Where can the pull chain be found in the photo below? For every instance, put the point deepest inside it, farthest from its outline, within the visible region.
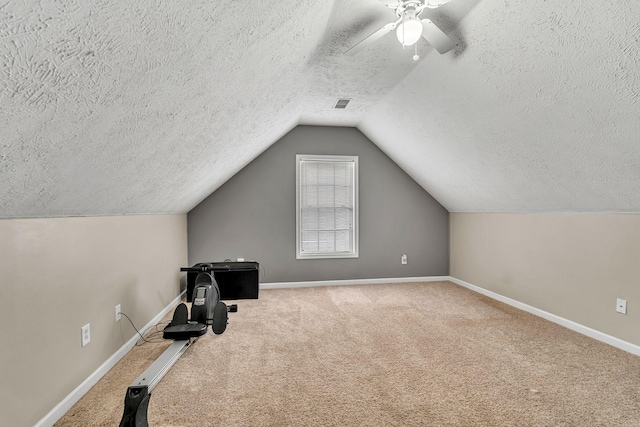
(404, 17)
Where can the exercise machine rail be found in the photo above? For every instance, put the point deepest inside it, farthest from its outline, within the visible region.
(139, 392)
(184, 333)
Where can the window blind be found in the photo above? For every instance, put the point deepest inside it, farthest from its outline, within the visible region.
(326, 206)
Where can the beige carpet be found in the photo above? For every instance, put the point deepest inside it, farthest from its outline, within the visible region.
(422, 354)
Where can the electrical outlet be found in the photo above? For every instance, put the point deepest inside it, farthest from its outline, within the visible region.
(404, 259)
(240, 259)
(86, 334)
(621, 306)
(118, 312)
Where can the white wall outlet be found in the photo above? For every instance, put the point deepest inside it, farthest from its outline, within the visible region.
(404, 259)
(118, 312)
(621, 306)
(86, 334)
(240, 259)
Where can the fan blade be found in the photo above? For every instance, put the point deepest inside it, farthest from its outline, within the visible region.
(371, 39)
(436, 37)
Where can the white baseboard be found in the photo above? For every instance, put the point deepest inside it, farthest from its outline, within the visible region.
(282, 285)
(584, 330)
(56, 413)
(577, 327)
(61, 408)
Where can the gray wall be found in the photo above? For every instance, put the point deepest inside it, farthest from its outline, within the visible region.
(252, 216)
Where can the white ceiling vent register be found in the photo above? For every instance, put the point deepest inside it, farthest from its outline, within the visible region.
(342, 103)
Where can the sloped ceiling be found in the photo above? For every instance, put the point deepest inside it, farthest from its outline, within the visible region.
(539, 111)
(127, 107)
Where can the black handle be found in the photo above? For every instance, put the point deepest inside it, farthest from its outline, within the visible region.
(196, 269)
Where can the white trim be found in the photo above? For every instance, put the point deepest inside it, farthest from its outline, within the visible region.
(63, 407)
(354, 251)
(281, 285)
(577, 327)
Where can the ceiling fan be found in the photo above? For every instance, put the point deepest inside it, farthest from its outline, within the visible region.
(409, 27)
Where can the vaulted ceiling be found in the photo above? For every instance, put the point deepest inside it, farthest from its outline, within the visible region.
(132, 106)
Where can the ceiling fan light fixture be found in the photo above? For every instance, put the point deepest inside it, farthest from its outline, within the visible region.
(409, 31)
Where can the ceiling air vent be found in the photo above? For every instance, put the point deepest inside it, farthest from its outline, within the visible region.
(342, 103)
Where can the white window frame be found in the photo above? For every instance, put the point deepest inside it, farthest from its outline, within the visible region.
(353, 253)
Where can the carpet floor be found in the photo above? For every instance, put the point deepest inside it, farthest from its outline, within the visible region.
(415, 354)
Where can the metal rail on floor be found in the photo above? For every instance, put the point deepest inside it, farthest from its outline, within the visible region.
(136, 401)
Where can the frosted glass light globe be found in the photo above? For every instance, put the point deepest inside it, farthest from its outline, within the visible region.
(409, 31)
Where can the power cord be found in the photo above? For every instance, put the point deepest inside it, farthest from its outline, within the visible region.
(152, 337)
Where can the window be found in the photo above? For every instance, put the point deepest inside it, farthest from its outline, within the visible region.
(326, 206)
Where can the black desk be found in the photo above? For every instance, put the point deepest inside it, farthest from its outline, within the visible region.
(236, 280)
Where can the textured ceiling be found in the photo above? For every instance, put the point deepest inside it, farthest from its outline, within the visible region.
(131, 106)
(540, 111)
